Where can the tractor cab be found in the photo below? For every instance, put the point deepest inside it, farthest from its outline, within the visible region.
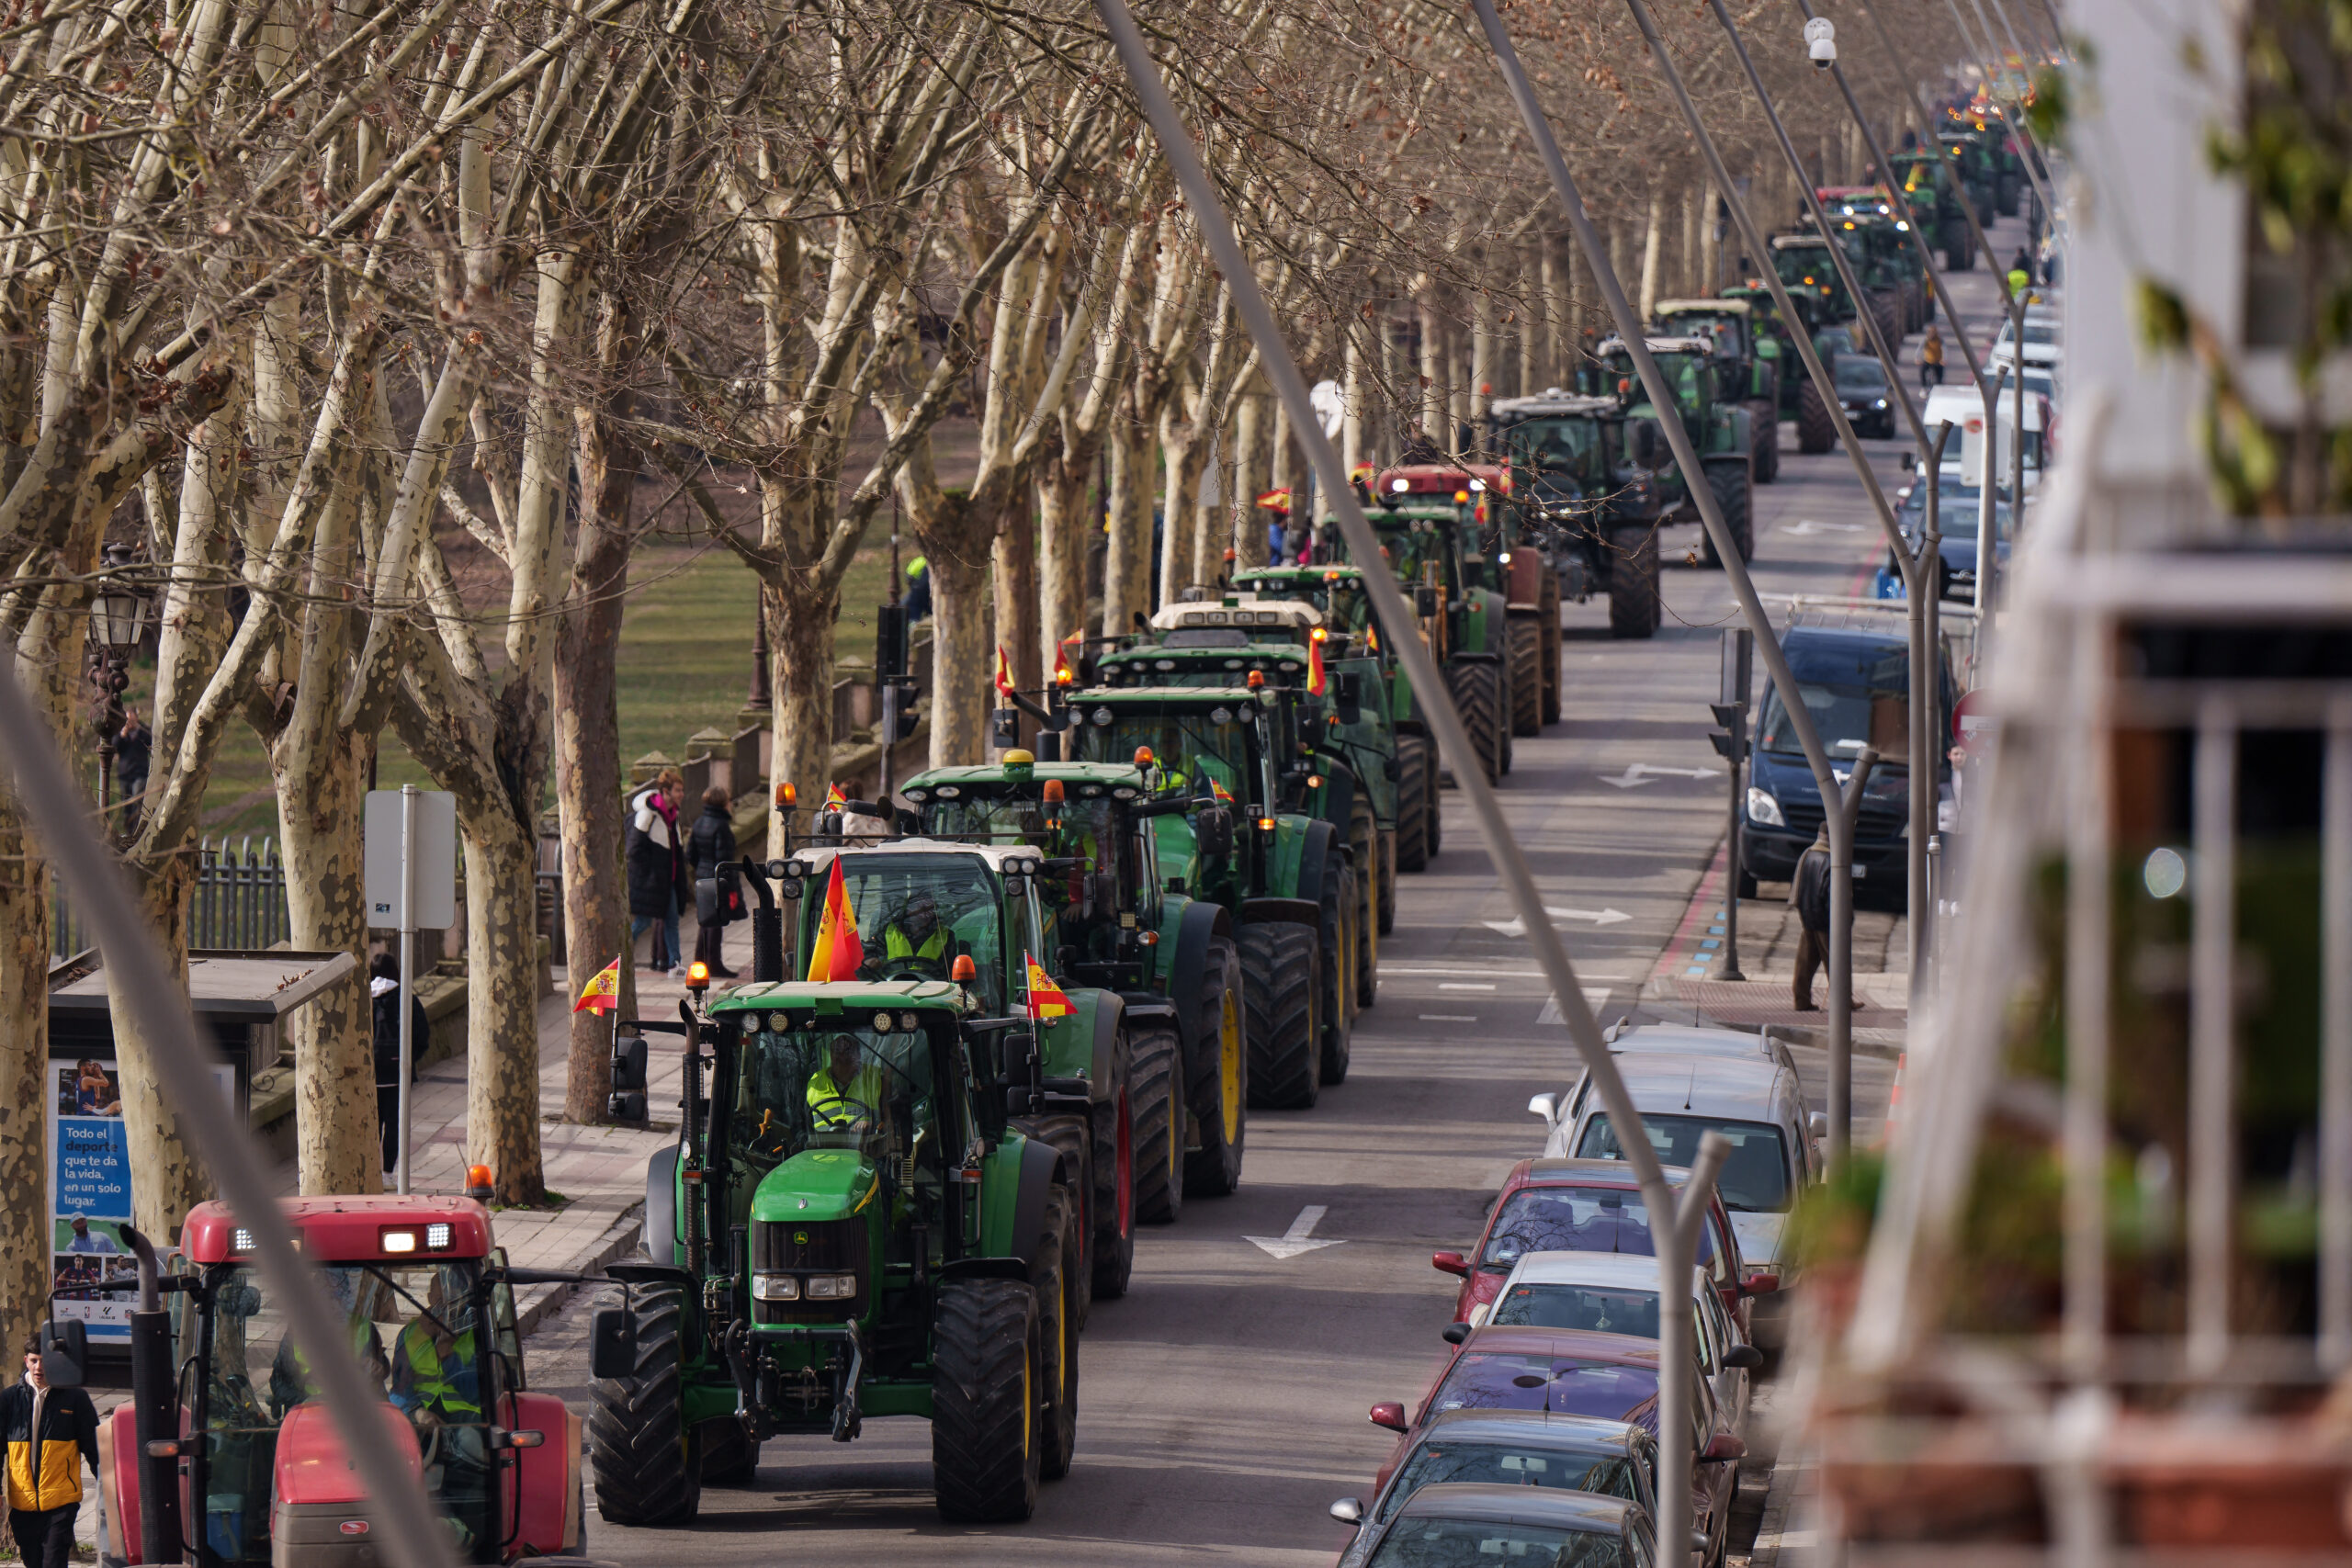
(1805, 269)
(428, 1305)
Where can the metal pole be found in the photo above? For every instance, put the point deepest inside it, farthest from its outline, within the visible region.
(2016, 457)
(1987, 486)
(184, 1062)
(1841, 966)
(1922, 775)
(1454, 741)
(408, 972)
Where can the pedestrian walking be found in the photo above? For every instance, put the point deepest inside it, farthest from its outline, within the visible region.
(1809, 895)
(918, 600)
(1932, 359)
(658, 881)
(135, 748)
(384, 997)
(43, 1427)
(718, 888)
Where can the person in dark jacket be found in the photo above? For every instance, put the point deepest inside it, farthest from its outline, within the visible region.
(710, 846)
(658, 881)
(44, 1427)
(134, 752)
(384, 993)
(1809, 893)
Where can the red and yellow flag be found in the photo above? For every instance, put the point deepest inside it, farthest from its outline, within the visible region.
(1046, 998)
(601, 994)
(1004, 672)
(1063, 674)
(1219, 791)
(834, 801)
(1275, 501)
(836, 953)
(1316, 679)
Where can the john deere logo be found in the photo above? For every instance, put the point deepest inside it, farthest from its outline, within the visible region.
(800, 1237)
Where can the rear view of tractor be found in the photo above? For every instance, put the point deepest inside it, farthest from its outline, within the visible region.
(1586, 476)
(1719, 427)
(1932, 202)
(429, 1305)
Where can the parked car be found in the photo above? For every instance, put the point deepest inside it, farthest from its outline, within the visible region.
(1472, 1527)
(1589, 1205)
(1574, 1453)
(1757, 1104)
(1615, 1294)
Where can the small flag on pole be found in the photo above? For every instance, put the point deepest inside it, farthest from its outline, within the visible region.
(1046, 998)
(601, 994)
(1315, 681)
(1275, 501)
(834, 801)
(1004, 672)
(836, 953)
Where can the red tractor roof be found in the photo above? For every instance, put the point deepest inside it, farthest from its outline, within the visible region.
(1441, 478)
(386, 1228)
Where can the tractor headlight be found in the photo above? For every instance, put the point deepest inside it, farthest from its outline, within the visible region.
(1763, 810)
(832, 1287)
(776, 1288)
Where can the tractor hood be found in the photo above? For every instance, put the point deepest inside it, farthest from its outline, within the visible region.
(814, 1185)
(310, 1466)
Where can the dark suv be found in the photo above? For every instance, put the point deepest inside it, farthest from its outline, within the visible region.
(1856, 680)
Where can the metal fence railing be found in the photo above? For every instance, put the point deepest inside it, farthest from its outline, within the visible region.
(239, 901)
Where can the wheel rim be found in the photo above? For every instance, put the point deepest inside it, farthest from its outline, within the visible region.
(1126, 1163)
(1229, 1070)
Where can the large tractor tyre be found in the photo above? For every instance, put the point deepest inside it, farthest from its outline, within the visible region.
(1734, 495)
(1072, 1132)
(1634, 604)
(1337, 969)
(730, 1456)
(1053, 1275)
(1385, 894)
(1416, 802)
(986, 1446)
(1550, 623)
(1216, 1078)
(1526, 675)
(1886, 310)
(1472, 688)
(1364, 838)
(1766, 461)
(1113, 1252)
(1282, 988)
(1815, 433)
(649, 1462)
(1156, 1092)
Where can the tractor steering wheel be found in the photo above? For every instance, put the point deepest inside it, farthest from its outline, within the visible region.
(853, 1116)
(903, 972)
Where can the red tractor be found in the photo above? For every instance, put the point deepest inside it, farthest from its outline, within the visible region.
(429, 1304)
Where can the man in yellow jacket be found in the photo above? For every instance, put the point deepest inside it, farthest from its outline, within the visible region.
(44, 1427)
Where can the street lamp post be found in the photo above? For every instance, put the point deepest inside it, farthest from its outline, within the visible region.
(118, 619)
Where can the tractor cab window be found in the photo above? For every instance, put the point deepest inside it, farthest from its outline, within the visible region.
(1205, 750)
(1560, 447)
(417, 1331)
(917, 914)
(857, 1081)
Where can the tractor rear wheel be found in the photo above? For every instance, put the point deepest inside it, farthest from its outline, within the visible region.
(1472, 688)
(1734, 494)
(1113, 1249)
(1281, 987)
(985, 1447)
(1338, 899)
(1526, 675)
(1815, 433)
(1550, 623)
(729, 1458)
(1216, 1078)
(1768, 440)
(1416, 802)
(1054, 1276)
(1154, 1084)
(649, 1462)
(1364, 840)
(1633, 600)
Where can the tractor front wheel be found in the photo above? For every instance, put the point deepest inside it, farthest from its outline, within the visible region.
(1416, 802)
(1115, 1181)
(986, 1445)
(1338, 898)
(1216, 1078)
(1386, 890)
(729, 1458)
(1526, 675)
(1054, 1276)
(649, 1461)
(1734, 496)
(1472, 688)
(1815, 433)
(1156, 1088)
(1634, 599)
(1281, 986)
(1371, 854)
(1550, 621)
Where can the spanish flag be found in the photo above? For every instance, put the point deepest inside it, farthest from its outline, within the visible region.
(601, 994)
(1275, 501)
(1315, 677)
(1004, 672)
(834, 801)
(836, 953)
(1220, 792)
(1046, 998)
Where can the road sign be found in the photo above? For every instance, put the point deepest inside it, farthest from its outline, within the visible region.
(1971, 725)
(436, 855)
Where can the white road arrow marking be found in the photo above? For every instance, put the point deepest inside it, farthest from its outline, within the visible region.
(1642, 773)
(1515, 927)
(1809, 527)
(1292, 1242)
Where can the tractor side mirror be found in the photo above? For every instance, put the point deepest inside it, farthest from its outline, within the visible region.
(1213, 827)
(1349, 698)
(1646, 433)
(612, 1343)
(628, 1102)
(1424, 601)
(65, 1351)
(1005, 728)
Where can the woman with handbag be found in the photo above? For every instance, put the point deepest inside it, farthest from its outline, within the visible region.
(718, 887)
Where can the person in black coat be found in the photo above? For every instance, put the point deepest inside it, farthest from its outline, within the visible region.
(384, 992)
(659, 884)
(710, 846)
(1809, 892)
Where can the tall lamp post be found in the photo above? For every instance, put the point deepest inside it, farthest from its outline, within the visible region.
(118, 620)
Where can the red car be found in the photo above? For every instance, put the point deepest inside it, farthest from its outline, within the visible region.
(1589, 1205)
(1579, 1372)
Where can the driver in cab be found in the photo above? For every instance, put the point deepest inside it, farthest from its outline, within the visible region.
(843, 1093)
(916, 936)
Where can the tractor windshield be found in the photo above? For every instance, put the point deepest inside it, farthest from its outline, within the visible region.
(1207, 745)
(1570, 447)
(415, 1329)
(847, 1081)
(917, 914)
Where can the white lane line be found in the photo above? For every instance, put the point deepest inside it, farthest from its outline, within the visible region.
(1294, 1241)
(1449, 1017)
(1466, 985)
(1388, 969)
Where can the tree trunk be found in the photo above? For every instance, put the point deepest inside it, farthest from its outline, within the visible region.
(800, 659)
(1484, 343)
(1180, 471)
(1560, 311)
(321, 775)
(1249, 477)
(963, 653)
(24, 886)
(1711, 260)
(1127, 571)
(502, 1010)
(1352, 432)
(1686, 262)
(1064, 510)
(1014, 574)
(1653, 229)
(166, 1180)
(1432, 418)
(1536, 315)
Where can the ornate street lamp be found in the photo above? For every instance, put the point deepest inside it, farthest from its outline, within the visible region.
(118, 620)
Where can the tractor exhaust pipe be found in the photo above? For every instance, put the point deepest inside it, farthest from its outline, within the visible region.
(767, 927)
(154, 1401)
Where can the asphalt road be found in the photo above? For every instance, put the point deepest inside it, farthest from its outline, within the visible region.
(1223, 1401)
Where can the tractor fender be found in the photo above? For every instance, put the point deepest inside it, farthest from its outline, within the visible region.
(1339, 793)
(1464, 655)
(1319, 859)
(118, 1486)
(1041, 1167)
(1200, 924)
(662, 1205)
(1526, 590)
(1086, 1041)
(1110, 1020)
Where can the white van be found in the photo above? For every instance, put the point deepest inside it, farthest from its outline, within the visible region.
(1965, 410)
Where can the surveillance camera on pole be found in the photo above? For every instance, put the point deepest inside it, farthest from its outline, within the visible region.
(1821, 42)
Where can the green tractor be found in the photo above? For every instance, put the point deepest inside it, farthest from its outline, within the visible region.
(1107, 922)
(852, 1224)
(1932, 202)
(1973, 155)
(1748, 362)
(1774, 339)
(1223, 758)
(1586, 477)
(1880, 255)
(1810, 276)
(1721, 427)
